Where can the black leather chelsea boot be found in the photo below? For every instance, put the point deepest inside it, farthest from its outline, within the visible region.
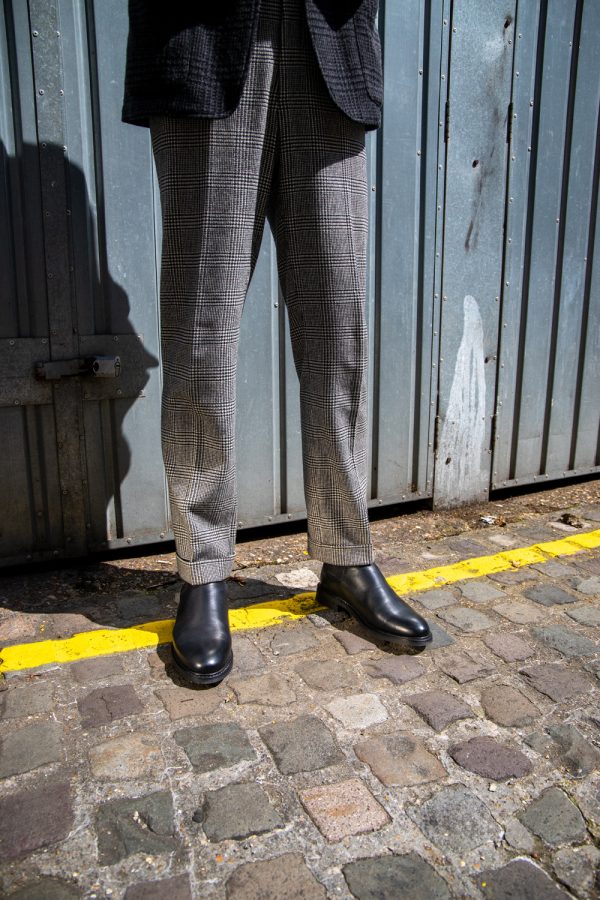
(202, 651)
(363, 592)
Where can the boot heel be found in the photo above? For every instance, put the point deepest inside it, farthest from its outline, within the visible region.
(323, 598)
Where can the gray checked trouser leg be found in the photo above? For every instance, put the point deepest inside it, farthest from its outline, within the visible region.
(290, 155)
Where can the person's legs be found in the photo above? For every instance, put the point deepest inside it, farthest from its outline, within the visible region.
(319, 221)
(215, 178)
(320, 224)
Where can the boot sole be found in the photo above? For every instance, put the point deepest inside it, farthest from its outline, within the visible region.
(337, 604)
(198, 678)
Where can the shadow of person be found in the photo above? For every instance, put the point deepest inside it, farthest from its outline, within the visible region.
(65, 317)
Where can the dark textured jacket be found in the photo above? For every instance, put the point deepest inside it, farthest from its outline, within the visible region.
(187, 58)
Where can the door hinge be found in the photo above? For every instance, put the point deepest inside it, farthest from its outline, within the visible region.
(509, 124)
(493, 433)
(436, 433)
(447, 122)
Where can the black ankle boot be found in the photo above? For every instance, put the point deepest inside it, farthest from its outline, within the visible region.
(363, 592)
(202, 650)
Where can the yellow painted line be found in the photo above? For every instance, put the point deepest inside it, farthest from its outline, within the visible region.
(102, 641)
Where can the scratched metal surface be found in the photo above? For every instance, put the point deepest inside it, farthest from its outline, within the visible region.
(517, 335)
(548, 403)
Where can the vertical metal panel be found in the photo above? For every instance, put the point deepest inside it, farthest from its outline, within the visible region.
(403, 235)
(481, 57)
(549, 385)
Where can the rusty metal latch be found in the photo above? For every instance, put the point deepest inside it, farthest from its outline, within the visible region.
(94, 366)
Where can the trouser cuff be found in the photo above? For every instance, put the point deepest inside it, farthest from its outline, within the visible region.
(202, 571)
(361, 555)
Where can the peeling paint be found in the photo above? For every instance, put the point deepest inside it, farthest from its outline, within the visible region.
(462, 438)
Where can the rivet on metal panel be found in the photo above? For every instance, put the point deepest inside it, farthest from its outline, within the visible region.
(61, 92)
(12, 343)
(501, 365)
(128, 540)
(513, 158)
(441, 359)
(443, 77)
(35, 33)
(507, 283)
(514, 115)
(418, 152)
(433, 365)
(119, 392)
(445, 21)
(499, 402)
(454, 30)
(380, 502)
(41, 91)
(496, 299)
(529, 149)
(162, 534)
(58, 34)
(509, 41)
(435, 297)
(65, 490)
(289, 515)
(86, 396)
(43, 146)
(50, 275)
(558, 220)
(116, 337)
(435, 332)
(520, 35)
(445, 297)
(440, 168)
(55, 553)
(142, 394)
(510, 199)
(16, 403)
(373, 187)
(404, 495)
(276, 305)
(420, 71)
(510, 240)
(531, 102)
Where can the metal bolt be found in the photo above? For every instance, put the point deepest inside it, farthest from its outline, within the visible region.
(11, 342)
(418, 152)
(119, 392)
(276, 305)
(16, 402)
(40, 91)
(35, 33)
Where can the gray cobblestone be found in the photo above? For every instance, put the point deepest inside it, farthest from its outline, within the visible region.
(507, 706)
(353, 643)
(567, 642)
(556, 681)
(47, 889)
(215, 746)
(395, 876)
(585, 615)
(176, 888)
(548, 595)
(140, 825)
(105, 704)
(31, 747)
(438, 708)
(436, 598)
(37, 817)
(464, 666)
(397, 669)
(398, 759)
(520, 878)
(520, 613)
(30, 700)
(237, 811)
(343, 809)
(554, 818)
(302, 745)
(270, 689)
(480, 592)
(455, 819)
(469, 620)
(273, 879)
(579, 869)
(491, 759)
(326, 674)
(509, 647)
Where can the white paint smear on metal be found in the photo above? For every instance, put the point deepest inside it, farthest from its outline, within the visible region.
(462, 436)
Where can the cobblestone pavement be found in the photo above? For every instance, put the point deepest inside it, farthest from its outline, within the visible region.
(324, 765)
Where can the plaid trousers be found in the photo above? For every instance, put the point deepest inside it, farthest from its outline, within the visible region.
(287, 154)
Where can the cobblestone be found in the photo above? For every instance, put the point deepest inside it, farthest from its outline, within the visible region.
(128, 756)
(569, 643)
(215, 746)
(507, 706)
(579, 869)
(585, 615)
(590, 587)
(456, 819)
(29, 748)
(30, 700)
(464, 666)
(397, 669)
(302, 745)
(491, 759)
(326, 674)
(554, 818)
(182, 702)
(519, 613)
(520, 878)
(398, 759)
(37, 817)
(358, 711)
(343, 809)
(140, 825)
(508, 647)
(237, 811)
(395, 876)
(556, 681)
(480, 592)
(271, 689)
(273, 879)
(353, 643)
(322, 766)
(105, 704)
(438, 708)
(437, 598)
(176, 888)
(469, 620)
(548, 595)
(292, 640)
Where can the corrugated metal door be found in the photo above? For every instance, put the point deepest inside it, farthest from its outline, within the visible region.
(548, 409)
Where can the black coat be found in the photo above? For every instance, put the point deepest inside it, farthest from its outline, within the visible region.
(190, 57)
